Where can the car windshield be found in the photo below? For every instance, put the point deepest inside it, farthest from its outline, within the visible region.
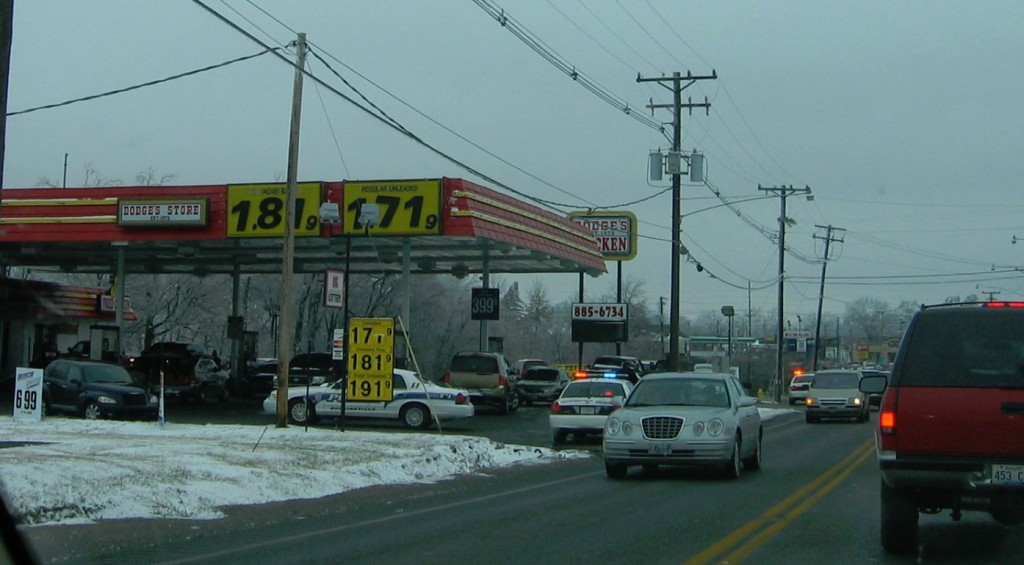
(835, 380)
(593, 390)
(106, 374)
(680, 392)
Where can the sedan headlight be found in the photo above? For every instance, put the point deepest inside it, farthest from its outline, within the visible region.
(627, 427)
(697, 428)
(715, 427)
(613, 426)
(855, 401)
(153, 399)
(103, 399)
(811, 401)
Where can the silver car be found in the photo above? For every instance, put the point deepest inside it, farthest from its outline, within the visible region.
(685, 419)
(836, 394)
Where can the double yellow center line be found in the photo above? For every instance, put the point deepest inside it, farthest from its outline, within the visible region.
(752, 535)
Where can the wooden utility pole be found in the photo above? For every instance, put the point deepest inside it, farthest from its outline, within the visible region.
(284, 334)
(821, 288)
(782, 192)
(677, 86)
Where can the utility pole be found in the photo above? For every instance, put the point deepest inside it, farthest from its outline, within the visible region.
(677, 86)
(991, 294)
(821, 288)
(6, 32)
(661, 322)
(782, 192)
(284, 334)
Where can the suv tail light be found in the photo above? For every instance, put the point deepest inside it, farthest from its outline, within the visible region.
(887, 419)
(447, 378)
(1004, 304)
(502, 381)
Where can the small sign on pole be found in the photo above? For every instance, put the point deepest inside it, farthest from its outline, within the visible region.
(334, 297)
(28, 394)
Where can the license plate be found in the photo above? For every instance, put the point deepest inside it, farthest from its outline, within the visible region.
(660, 449)
(1008, 474)
(588, 410)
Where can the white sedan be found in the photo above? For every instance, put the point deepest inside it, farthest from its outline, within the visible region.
(410, 403)
(685, 419)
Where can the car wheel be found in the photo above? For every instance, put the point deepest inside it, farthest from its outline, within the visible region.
(301, 412)
(734, 467)
(92, 411)
(615, 470)
(898, 521)
(753, 463)
(516, 401)
(558, 436)
(415, 416)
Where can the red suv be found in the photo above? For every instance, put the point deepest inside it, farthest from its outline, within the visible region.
(951, 422)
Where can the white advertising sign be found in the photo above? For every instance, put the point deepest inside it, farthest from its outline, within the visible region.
(334, 283)
(28, 394)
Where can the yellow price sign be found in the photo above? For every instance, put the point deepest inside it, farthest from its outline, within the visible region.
(371, 359)
(257, 210)
(406, 207)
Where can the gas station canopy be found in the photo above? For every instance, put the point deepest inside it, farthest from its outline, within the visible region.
(437, 225)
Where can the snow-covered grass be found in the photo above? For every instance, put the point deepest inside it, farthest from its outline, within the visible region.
(75, 471)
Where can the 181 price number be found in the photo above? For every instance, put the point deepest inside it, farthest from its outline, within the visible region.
(259, 210)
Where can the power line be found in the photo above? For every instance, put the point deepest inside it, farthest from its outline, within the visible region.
(267, 49)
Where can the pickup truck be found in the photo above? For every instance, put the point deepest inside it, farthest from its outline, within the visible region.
(188, 373)
(488, 377)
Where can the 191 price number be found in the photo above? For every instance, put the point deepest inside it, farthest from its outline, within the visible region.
(258, 210)
(599, 311)
(369, 389)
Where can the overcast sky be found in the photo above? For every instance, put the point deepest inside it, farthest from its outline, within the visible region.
(904, 118)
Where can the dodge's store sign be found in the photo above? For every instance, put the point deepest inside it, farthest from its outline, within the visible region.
(162, 213)
(615, 232)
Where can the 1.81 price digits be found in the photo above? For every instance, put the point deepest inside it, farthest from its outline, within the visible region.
(369, 362)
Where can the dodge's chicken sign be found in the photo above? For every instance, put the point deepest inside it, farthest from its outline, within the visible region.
(615, 232)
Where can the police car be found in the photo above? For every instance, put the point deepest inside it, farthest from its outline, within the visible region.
(410, 404)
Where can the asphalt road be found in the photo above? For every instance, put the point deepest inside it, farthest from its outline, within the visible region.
(814, 501)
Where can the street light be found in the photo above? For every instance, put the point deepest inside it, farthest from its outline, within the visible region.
(729, 312)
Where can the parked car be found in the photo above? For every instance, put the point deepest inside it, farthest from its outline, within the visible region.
(542, 384)
(950, 432)
(620, 361)
(183, 370)
(314, 369)
(93, 390)
(584, 406)
(798, 388)
(685, 419)
(415, 402)
(488, 377)
(835, 393)
(522, 365)
(263, 377)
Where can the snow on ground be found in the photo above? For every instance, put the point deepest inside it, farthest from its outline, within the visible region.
(77, 471)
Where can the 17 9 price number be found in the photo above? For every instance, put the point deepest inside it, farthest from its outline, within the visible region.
(599, 311)
(258, 210)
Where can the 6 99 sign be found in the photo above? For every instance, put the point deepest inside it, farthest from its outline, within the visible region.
(371, 344)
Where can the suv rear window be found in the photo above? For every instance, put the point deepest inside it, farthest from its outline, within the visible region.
(541, 374)
(474, 364)
(965, 347)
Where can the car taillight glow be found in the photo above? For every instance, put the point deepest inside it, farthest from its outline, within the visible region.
(447, 379)
(502, 381)
(887, 419)
(556, 408)
(460, 398)
(1004, 304)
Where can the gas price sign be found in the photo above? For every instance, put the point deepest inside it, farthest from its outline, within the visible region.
(371, 358)
(257, 210)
